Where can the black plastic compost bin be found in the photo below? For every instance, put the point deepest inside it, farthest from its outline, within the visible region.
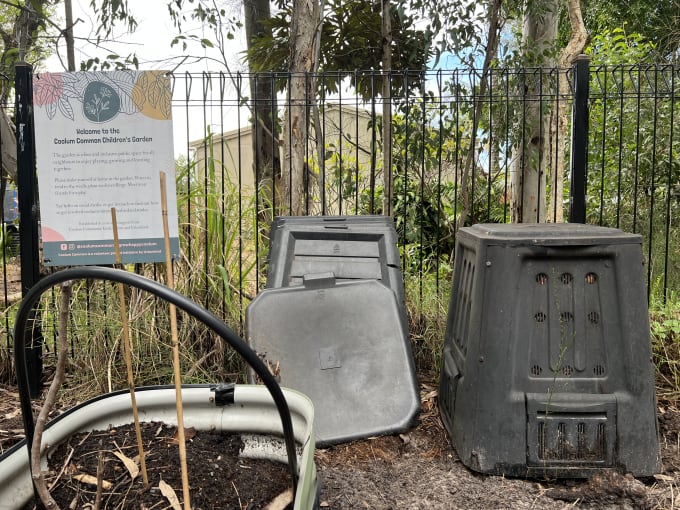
(547, 367)
(350, 247)
(332, 323)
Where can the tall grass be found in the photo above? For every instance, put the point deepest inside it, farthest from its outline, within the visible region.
(217, 268)
(427, 300)
(664, 317)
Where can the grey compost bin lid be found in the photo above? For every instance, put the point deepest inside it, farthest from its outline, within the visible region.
(345, 345)
(547, 234)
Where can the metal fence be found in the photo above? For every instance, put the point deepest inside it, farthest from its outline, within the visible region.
(453, 141)
(454, 146)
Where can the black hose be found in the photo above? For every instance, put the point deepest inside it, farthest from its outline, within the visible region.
(181, 302)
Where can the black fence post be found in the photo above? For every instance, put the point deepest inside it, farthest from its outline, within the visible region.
(27, 184)
(579, 140)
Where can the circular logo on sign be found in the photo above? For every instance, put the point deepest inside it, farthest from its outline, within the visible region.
(101, 102)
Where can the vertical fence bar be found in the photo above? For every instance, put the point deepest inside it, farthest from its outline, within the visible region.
(652, 181)
(341, 154)
(474, 89)
(27, 184)
(356, 145)
(620, 89)
(306, 175)
(669, 187)
(208, 183)
(579, 141)
(540, 184)
(506, 155)
(637, 86)
(239, 206)
(492, 150)
(422, 213)
(440, 206)
(605, 102)
(374, 144)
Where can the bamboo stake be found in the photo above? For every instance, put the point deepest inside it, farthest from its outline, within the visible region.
(128, 352)
(175, 351)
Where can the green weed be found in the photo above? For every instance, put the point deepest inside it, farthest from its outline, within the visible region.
(665, 330)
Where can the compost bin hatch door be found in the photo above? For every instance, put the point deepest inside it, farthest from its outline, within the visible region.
(345, 346)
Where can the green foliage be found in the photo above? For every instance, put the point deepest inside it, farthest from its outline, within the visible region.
(616, 47)
(665, 329)
(8, 244)
(112, 62)
(656, 22)
(351, 40)
(16, 18)
(457, 27)
(109, 13)
(633, 153)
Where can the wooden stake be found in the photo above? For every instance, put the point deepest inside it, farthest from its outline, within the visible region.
(175, 351)
(128, 352)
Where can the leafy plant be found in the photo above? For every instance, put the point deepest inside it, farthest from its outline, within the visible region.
(665, 330)
(633, 153)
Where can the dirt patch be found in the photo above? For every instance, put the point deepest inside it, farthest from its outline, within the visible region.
(218, 477)
(420, 470)
(11, 423)
(10, 283)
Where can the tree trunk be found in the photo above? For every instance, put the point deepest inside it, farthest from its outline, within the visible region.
(493, 36)
(314, 179)
(528, 174)
(303, 40)
(388, 192)
(559, 121)
(265, 139)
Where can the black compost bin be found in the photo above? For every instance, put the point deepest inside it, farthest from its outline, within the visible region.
(332, 324)
(350, 247)
(547, 367)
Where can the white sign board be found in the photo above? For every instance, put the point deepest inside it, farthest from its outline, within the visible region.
(102, 140)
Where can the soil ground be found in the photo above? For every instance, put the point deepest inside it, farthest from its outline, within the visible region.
(420, 470)
(217, 476)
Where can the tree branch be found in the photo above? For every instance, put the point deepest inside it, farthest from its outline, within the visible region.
(50, 399)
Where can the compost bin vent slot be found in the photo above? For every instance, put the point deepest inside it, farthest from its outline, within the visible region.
(563, 447)
(573, 438)
(567, 312)
(450, 376)
(462, 317)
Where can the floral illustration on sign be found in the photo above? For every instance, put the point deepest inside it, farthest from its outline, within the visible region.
(104, 94)
(152, 95)
(48, 91)
(100, 102)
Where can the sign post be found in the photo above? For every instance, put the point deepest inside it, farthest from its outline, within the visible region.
(28, 218)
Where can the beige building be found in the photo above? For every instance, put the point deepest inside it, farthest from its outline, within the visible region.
(349, 139)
